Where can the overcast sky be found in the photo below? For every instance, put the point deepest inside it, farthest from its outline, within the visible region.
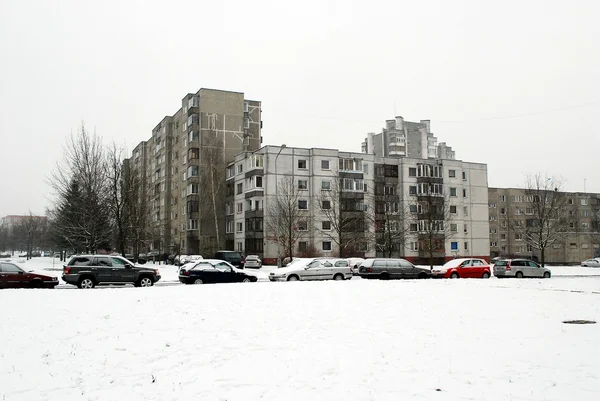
(514, 84)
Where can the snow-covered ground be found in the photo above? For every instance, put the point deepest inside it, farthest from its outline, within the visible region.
(353, 340)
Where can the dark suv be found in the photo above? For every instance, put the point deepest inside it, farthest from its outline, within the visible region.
(88, 271)
(233, 257)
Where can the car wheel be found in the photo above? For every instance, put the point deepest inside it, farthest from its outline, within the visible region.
(35, 284)
(86, 283)
(384, 276)
(338, 277)
(422, 276)
(246, 280)
(519, 275)
(198, 281)
(454, 275)
(146, 282)
(485, 275)
(546, 275)
(293, 278)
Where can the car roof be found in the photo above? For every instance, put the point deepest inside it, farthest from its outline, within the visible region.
(208, 260)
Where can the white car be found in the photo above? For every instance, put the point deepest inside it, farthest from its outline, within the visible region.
(355, 264)
(184, 259)
(305, 269)
(591, 263)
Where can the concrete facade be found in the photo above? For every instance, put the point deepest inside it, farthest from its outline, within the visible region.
(178, 162)
(464, 187)
(581, 243)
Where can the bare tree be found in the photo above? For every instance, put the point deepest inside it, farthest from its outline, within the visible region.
(595, 225)
(548, 222)
(390, 223)
(343, 205)
(30, 230)
(82, 164)
(286, 222)
(431, 218)
(116, 193)
(212, 172)
(136, 209)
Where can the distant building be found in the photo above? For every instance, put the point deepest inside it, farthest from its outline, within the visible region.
(11, 221)
(402, 138)
(582, 242)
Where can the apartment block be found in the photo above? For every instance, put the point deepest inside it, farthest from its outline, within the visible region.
(377, 192)
(182, 167)
(402, 138)
(509, 206)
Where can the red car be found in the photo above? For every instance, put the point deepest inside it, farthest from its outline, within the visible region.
(12, 276)
(463, 268)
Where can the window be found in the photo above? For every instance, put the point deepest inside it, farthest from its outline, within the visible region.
(412, 190)
(573, 245)
(518, 212)
(464, 177)
(325, 205)
(239, 247)
(454, 227)
(452, 173)
(465, 210)
(585, 213)
(454, 246)
(503, 223)
(326, 225)
(389, 190)
(585, 246)
(517, 198)
(466, 245)
(492, 205)
(493, 244)
(192, 189)
(414, 246)
(453, 209)
(528, 210)
(365, 168)
(413, 227)
(193, 171)
(302, 225)
(493, 230)
(258, 183)
(412, 171)
(302, 164)
(502, 198)
(239, 188)
(302, 184)
(464, 193)
(413, 208)
(240, 168)
(585, 225)
(503, 236)
(325, 165)
(326, 245)
(229, 227)
(466, 228)
(519, 236)
(239, 227)
(452, 191)
(192, 224)
(302, 246)
(240, 207)
(571, 225)
(325, 185)
(303, 204)
(584, 202)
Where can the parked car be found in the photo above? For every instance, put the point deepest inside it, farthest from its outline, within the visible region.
(233, 257)
(88, 271)
(591, 263)
(463, 268)
(520, 268)
(183, 259)
(385, 269)
(305, 269)
(207, 271)
(355, 264)
(13, 276)
(252, 261)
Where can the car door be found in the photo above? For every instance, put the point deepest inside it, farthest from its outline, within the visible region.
(310, 271)
(224, 273)
(7, 278)
(3, 278)
(342, 266)
(465, 270)
(101, 266)
(476, 268)
(121, 270)
(14, 276)
(395, 270)
(325, 270)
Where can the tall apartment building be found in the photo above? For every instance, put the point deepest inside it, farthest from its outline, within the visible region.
(507, 205)
(369, 186)
(402, 138)
(182, 167)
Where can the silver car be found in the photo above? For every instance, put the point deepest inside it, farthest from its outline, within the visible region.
(385, 269)
(253, 261)
(591, 263)
(305, 269)
(520, 268)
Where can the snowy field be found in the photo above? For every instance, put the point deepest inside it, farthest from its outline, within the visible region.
(355, 340)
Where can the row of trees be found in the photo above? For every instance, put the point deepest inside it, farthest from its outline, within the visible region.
(100, 202)
(29, 233)
(428, 219)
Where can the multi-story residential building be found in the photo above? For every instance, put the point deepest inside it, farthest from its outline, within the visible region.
(402, 138)
(182, 168)
(328, 183)
(507, 206)
(12, 220)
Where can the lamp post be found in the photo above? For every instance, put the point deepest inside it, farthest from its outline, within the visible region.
(278, 209)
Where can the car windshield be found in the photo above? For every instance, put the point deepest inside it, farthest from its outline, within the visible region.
(501, 263)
